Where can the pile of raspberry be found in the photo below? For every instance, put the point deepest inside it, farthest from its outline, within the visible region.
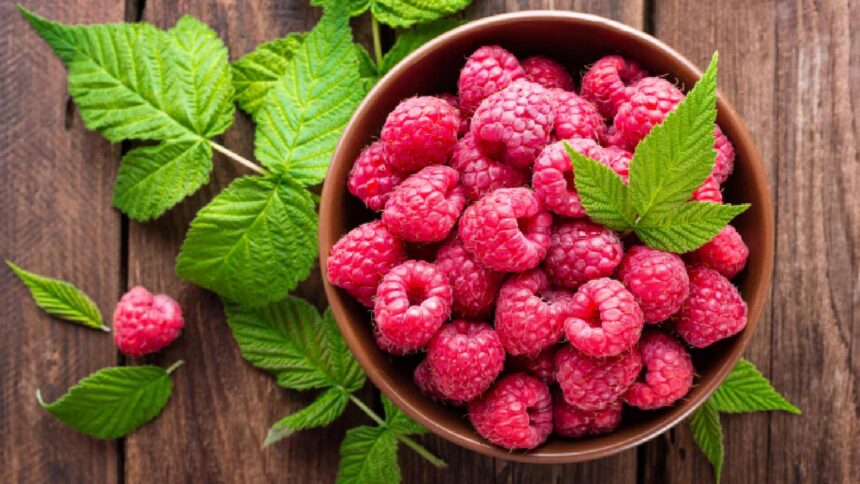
(529, 315)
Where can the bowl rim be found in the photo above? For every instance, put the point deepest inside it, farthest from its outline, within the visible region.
(728, 116)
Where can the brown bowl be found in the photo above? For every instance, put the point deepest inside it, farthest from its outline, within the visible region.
(575, 40)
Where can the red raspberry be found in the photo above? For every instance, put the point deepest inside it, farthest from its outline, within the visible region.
(514, 124)
(424, 380)
(507, 230)
(714, 310)
(608, 83)
(516, 413)
(412, 302)
(591, 384)
(421, 131)
(425, 207)
(725, 162)
(144, 324)
(613, 138)
(569, 421)
(465, 357)
(658, 280)
(541, 366)
(652, 100)
(371, 179)
(455, 103)
(360, 259)
(618, 159)
(668, 375)
(603, 318)
(726, 253)
(474, 286)
(526, 320)
(548, 73)
(576, 118)
(487, 71)
(387, 346)
(480, 174)
(553, 178)
(709, 191)
(580, 251)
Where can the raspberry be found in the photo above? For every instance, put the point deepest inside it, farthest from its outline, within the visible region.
(465, 357)
(455, 103)
(474, 286)
(144, 323)
(553, 178)
(507, 230)
(653, 98)
(525, 321)
(514, 124)
(618, 159)
(725, 162)
(709, 191)
(580, 251)
(421, 131)
(603, 318)
(425, 207)
(608, 83)
(387, 346)
(427, 385)
(516, 413)
(541, 366)
(658, 280)
(668, 375)
(576, 118)
(480, 174)
(569, 421)
(371, 179)
(412, 302)
(548, 73)
(359, 260)
(591, 384)
(487, 71)
(726, 253)
(714, 310)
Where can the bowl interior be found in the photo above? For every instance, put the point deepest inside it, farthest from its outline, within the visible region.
(576, 40)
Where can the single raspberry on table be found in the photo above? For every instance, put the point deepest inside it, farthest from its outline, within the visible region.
(516, 413)
(474, 286)
(487, 71)
(455, 103)
(553, 177)
(425, 207)
(359, 260)
(714, 309)
(608, 83)
(569, 421)
(412, 302)
(421, 131)
(725, 162)
(709, 191)
(658, 280)
(541, 366)
(580, 251)
(591, 384)
(465, 357)
(480, 174)
(514, 124)
(371, 179)
(726, 253)
(603, 318)
(548, 73)
(668, 372)
(427, 385)
(528, 321)
(144, 323)
(507, 230)
(576, 118)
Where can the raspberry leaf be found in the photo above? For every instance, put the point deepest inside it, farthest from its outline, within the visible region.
(689, 227)
(414, 38)
(602, 192)
(747, 390)
(354, 7)
(255, 73)
(708, 434)
(368, 455)
(367, 68)
(61, 299)
(327, 407)
(113, 401)
(399, 422)
(406, 13)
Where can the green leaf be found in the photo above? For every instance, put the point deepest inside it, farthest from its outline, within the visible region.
(114, 401)
(367, 69)
(61, 299)
(602, 192)
(153, 179)
(291, 340)
(368, 455)
(687, 229)
(708, 434)
(678, 154)
(324, 410)
(747, 390)
(406, 13)
(255, 73)
(253, 242)
(414, 38)
(306, 110)
(398, 422)
(354, 7)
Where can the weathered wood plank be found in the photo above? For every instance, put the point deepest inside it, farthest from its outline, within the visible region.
(56, 220)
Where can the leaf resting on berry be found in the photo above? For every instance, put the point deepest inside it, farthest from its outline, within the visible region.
(689, 227)
(602, 192)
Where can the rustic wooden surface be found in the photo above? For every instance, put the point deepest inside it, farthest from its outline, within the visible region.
(791, 68)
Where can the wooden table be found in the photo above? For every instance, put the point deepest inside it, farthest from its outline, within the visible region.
(792, 68)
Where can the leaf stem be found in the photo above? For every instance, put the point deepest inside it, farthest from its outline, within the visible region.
(174, 366)
(370, 413)
(377, 42)
(239, 158)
